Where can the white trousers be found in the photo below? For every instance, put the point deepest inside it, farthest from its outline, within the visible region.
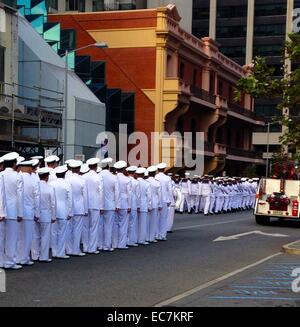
(11, 242)
(62, 232)
(195, 202)
(26, 228)
(206, 203)
(41, 241)
(163, 222)
(143, 220)
(69, 242)
(77, 228)
(2, 243)
(85, 234)
(133, 228)
(122, 226)
(212, 203)
(171, 216)
(101, 234)
(93, 230)
(186, 201)
(153, 219)
(53, 238)
(108, 220)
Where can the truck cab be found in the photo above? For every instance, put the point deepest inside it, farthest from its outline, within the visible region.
(277, 198)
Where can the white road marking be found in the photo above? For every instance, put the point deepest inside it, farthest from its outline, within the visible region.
(212, 224)
(213, 282)
(238, 236)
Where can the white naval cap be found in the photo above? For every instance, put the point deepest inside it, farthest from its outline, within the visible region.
(1, 160)
(75, 164)
(146, 173)
(99, 169)
(27, 163)
(187, 174)
(68, 161)
(10, 156)
(84, 169)
(51, 159)
(120, 164)
(132, 169)
(61, 169)
(152, 169)
(243, 179)
(106, 161)
(141, 171)
(93, 161)
(35, 162)
(43, 171)
(162, 166)
(19, 160)
(37, 158)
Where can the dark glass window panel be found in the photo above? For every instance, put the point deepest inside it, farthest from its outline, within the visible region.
(2, 63)
(270, 50)
(231, 31)
(270, 9)
(268, 30)
(232, 11)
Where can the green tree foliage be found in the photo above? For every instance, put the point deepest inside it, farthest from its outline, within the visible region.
(260, 83)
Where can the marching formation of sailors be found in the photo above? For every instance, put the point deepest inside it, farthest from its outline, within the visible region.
(211, 195)
(78, 209)
(84, 208)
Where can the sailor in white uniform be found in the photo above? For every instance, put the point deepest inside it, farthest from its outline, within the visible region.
(52, 162)
(206, 194)
(186, 192)
(110, 200)
(2, 217)
(31, 213)
(144, 206)
(14, 196)
(64, 213)
(47, 216)
(80, 207)
(167, 193)
(123, 206)
(156, 206)
(133, 217)
(95, 204)
(84, 169)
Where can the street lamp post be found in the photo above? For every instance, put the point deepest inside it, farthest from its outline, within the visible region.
(65, 113)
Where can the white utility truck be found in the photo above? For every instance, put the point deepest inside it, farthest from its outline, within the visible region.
(277, 198)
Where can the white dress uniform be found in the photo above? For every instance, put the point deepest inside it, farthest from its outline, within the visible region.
(80, 211)
(2, 223)
(95, 221)
(195, 195)
(110, 200)
(31, 210)
(120, 236)
(213, 197)
(186, 192)
(167, 193)
(41, 241)
(156, 193)
(64, 214)
(133, 217)
(144, 206)
(206, 193)
(14, 189)
(171, 214)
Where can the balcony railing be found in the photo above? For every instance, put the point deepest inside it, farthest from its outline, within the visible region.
(244, 153)
(10, 3)
(209, 147)
(242, 111)
(204, 95)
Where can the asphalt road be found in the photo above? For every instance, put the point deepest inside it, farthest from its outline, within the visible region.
(190, 269)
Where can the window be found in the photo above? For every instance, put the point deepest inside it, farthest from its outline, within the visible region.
(238, 51)
(2, 61)
(268, 30)
(195, 75)
(231, 31)
(52, 4)
(181, 70)
(270, 9)
(270, 50)
(201, 13)
(98, 5)
(75, 5)
(232, 11)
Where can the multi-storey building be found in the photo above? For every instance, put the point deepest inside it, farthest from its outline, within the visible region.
(244, 29)
(181, 83)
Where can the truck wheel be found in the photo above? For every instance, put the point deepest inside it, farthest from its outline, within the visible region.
(262, 220)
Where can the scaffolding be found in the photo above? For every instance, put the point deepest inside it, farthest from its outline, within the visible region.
(24, 127)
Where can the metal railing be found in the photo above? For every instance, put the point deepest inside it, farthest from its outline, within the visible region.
(204, 95)
(244, 112)
(244, 153)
